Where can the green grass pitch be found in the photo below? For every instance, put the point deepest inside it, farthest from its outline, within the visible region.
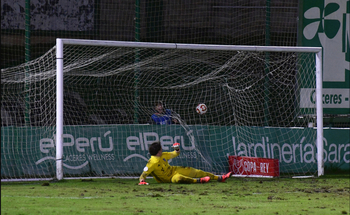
(328, 194)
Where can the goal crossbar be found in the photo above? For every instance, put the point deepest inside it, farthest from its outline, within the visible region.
(188, 46)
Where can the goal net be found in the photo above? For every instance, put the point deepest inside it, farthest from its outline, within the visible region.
(90, 115)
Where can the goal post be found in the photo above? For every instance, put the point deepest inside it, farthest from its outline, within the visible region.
(59, 107)
(319, 113)
(170, 46)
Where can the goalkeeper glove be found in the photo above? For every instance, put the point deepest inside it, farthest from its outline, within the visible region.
(176, 146)
(143, 182)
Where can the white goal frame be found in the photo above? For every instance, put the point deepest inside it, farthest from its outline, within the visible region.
(59, 85)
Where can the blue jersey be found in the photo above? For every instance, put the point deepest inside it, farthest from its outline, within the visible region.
(162, 119)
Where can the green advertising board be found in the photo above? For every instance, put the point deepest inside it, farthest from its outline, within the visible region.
(326, 24)
(123, 149)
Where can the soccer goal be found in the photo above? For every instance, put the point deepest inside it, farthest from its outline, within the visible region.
(84, 108)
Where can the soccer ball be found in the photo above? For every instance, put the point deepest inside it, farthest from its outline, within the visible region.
(201, 109)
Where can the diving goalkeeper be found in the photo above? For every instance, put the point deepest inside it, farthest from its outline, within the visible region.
(162, 172)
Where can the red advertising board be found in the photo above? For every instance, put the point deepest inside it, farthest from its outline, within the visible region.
(252, 166)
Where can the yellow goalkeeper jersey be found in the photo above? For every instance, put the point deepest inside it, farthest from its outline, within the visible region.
(159, 168)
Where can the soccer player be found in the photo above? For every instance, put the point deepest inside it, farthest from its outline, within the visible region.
(162, 172)
(162, 116)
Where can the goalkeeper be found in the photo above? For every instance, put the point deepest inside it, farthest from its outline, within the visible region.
(162, 172)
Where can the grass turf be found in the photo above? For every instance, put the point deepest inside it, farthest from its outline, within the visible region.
(325, 195)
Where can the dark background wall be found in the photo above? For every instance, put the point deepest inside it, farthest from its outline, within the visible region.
(240, 22)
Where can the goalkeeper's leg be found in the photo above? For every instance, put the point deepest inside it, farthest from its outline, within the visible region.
(193, 173)
(178, 178)
(181, 179)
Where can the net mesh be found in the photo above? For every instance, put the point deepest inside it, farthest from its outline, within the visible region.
(110, 94)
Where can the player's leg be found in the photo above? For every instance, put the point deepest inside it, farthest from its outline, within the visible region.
(194, 173)
(197, 173)
(179, 178)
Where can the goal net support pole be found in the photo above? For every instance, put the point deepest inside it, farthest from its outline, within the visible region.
(319, 113)
(59, 107)
(60, 67)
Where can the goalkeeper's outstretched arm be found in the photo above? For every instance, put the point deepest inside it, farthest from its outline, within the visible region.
(143, 179)
(143, 176)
